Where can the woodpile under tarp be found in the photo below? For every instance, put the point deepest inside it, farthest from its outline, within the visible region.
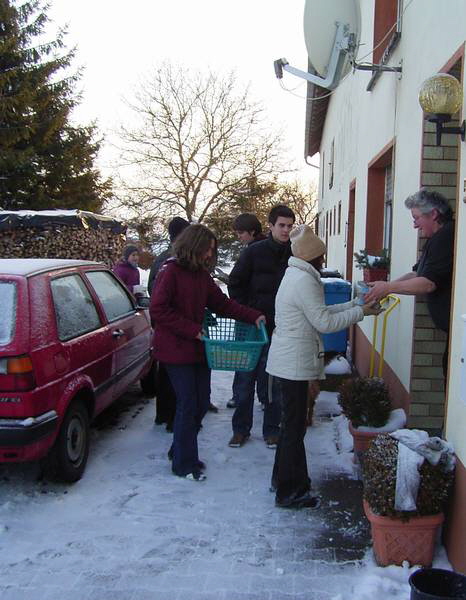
(75, 234)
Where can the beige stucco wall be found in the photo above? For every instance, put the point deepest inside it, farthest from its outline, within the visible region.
(362, 124)
(456, 407)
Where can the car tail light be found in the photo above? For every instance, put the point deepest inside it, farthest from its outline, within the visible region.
(16, 374)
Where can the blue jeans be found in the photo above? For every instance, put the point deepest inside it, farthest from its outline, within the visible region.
(192, 388)
(261, 388)
(245, 386)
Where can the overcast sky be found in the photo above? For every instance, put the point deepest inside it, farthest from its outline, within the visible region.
(118, 42)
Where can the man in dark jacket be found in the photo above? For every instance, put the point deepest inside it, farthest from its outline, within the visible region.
(254, 281)
(175, 227)
(432, 275)
(248, 230)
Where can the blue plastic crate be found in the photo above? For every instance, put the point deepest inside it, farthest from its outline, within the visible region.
(336, 292)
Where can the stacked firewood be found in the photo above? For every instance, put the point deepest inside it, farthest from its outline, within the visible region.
(65, 241)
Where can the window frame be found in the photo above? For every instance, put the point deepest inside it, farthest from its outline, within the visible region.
(383, 50)
(376, 195)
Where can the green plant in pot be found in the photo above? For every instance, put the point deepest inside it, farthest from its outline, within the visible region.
(404, 535)
(366, 403)
(375, 266)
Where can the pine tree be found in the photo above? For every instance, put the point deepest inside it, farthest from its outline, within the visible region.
(45, 161)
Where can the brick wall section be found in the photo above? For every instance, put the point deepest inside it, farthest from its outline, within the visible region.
(439, 172)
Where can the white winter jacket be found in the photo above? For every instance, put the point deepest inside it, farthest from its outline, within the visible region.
(301, 315)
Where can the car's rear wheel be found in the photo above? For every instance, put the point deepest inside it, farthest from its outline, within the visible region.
(149, 381)
(69, 455)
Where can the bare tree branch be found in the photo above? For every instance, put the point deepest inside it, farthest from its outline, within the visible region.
(197, 137)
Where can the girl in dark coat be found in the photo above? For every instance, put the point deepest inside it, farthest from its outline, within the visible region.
(183, 290)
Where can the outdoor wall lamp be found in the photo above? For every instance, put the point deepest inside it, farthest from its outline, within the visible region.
(440, 97)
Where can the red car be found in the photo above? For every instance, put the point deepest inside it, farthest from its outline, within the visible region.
(72, 340)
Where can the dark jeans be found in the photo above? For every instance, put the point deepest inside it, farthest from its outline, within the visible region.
(261, 388)
(245, 386)
(290, 475)
(165, 401)
(192, 388)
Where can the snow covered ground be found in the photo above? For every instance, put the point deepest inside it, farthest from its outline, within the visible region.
(130, 530)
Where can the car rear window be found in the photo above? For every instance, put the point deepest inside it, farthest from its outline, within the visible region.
(8, 304)
(74, 308)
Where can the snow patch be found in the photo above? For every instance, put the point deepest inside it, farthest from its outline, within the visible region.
(338, 366)
(396, 420)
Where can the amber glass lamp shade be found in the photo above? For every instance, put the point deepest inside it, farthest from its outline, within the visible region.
(441, 95)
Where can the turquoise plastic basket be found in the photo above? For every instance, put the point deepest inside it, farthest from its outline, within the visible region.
(232, 345)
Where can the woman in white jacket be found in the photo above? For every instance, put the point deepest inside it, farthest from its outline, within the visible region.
(296, 358)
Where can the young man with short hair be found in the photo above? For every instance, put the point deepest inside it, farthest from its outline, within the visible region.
(248, 228)
(254, 281)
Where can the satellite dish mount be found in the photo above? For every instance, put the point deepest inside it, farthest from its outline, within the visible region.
(343, 46)
(344, 49)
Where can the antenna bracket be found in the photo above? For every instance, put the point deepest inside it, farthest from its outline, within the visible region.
(343, 45)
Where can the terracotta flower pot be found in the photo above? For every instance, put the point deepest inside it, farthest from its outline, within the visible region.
(396, 541)
(361, 441)
(375, 274)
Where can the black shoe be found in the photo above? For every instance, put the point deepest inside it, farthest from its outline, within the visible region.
(304, 501)
(231, 403)
(212, 408)
(169, 427)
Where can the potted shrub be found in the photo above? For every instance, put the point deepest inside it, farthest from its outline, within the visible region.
(404, 535)
(375, 267)
(366, 403)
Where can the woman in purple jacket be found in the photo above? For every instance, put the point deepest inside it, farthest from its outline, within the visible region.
(184, 289)
(127, 269)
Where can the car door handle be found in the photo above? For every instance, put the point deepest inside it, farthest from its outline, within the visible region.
(118, 333)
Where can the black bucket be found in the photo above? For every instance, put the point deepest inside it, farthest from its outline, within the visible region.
(437, 584)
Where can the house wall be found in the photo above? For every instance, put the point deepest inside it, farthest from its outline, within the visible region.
(361, 124)
(456, 387)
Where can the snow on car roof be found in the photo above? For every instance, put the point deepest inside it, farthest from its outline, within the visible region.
(29, 266)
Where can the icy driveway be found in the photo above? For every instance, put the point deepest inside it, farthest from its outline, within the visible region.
(130, 530)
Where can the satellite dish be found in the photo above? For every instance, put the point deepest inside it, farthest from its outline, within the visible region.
(321, 19)
(331, 33)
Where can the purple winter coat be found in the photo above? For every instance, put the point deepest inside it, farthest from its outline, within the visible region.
(128, 274)
(177, 308)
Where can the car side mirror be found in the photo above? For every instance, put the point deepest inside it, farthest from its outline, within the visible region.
(143, 301)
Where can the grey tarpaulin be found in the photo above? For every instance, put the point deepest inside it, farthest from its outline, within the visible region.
(43, 219)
